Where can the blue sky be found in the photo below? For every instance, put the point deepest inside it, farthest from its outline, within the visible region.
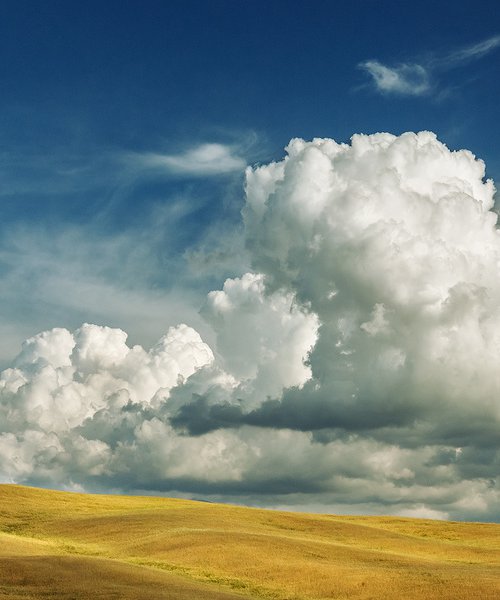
(89, 88)
(129, 76)
(125, 130)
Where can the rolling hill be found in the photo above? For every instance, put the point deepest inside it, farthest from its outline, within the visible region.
(77, 546)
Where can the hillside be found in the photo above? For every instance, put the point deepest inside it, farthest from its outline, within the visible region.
(77, 546)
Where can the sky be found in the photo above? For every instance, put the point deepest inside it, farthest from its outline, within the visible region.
(249, 252)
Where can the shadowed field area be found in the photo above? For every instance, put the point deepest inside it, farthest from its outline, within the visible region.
(78, 546)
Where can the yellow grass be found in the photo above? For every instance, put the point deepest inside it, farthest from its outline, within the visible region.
(76, 546)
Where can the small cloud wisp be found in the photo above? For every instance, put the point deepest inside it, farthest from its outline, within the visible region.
(202, 160)
(418, 79)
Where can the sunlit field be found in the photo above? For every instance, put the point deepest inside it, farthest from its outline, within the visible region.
(77, 546)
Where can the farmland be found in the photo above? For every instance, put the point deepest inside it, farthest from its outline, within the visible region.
(77, 546)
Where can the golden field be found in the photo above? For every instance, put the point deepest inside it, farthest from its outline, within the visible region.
(77, 546)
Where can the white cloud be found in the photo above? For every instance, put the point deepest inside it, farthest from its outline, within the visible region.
(60, 378)
(264, 339)
(401, 229)
(410, 80)
(202, 160)
(468, 53)
(392, 242)
(420, 78)
(346, 369)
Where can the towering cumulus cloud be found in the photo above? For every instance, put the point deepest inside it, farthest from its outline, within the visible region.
(393, 244)
(355, 369)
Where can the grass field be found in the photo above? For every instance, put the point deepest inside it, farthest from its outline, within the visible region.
(77, 546)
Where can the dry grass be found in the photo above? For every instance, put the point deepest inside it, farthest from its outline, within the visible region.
(62, 545)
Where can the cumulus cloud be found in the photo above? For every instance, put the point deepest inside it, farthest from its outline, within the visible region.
(419, 78)
(391, 241)
(354, 369)
(262, 339)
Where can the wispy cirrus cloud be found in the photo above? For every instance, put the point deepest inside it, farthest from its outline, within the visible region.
(77, 212)
(468, 53)
(201, 160)
(420, 78)
(405, 79)
(64, 276)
